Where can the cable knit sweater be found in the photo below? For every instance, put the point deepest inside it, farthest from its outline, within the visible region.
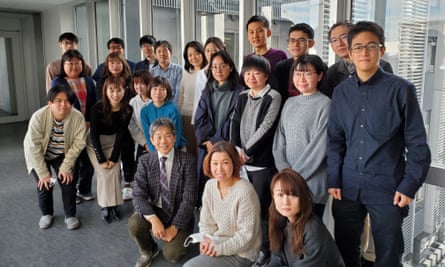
(234, 221)
(300, 141)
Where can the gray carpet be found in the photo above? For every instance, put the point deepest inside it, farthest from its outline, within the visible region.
(23, 243)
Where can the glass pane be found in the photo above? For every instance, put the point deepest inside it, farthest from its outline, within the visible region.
(102, 28)
(320, 14)
(414, 32)
(131, 23)
(166, 13)
(8, 99)
(82, 30)
(221, 19)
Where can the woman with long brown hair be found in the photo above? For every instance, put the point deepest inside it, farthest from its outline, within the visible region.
(297, 237)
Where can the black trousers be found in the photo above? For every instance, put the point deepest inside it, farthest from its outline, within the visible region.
(127, 157)
(46, 202)
(386, 226)
(261, 182)
(84, 173)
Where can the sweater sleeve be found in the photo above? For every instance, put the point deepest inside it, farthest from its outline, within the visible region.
(246, 225)
(206, 222)
(120, 136)
(266, 127)
(94, 133)
(313, 155)
(279, 144)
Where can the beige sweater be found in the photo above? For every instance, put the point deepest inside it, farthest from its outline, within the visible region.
(37, 138)
(234, 221)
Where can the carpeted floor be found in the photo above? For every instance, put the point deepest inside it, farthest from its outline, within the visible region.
(23, 243)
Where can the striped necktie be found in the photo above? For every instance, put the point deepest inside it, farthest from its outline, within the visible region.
(166, 205)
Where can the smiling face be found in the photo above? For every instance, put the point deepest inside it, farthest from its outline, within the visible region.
(158, 95)
(147, 50)
(115, 66)
(195, 58)
(257, 35)
(255, 79)
(366, 59)
(73, 68)
(115, 94)
(286, 204)
(60, 107)
(163, 140)
(220, 69)
(209, 50)
(299, 43)
(221, 167)
(163, 55)
(306, 79)
(140, 87)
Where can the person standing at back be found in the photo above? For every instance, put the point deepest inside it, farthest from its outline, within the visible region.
(146, 43)
(258, 31)
(377, 152)
(344, 68)
(67, 41)
(301, 39)
(117, 45)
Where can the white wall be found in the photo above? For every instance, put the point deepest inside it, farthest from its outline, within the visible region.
(54, 22)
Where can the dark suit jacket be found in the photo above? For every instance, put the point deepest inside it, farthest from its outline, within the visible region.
(147, 188)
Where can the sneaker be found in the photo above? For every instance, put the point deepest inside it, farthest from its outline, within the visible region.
(263, 259)
(45, 221)
(86, 197)
(127, 193)
(146, 260)
(72, 223)
(78, 200)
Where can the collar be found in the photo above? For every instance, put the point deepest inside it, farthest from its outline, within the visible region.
(262, 93)
(371, 81)
(169, 154)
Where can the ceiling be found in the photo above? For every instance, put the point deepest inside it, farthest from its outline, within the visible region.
(30, 5)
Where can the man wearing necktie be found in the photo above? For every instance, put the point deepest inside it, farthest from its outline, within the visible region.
(164, 194)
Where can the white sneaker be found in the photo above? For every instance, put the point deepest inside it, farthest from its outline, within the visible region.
(127, 193)
(45, 221)
(72, 223)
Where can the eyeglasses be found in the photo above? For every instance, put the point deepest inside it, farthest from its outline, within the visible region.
(371, 47)
(299, 40)
(71, 64)
(343, 37)
(305, 74)
(220, 67)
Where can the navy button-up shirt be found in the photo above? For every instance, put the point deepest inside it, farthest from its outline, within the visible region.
(376, 139)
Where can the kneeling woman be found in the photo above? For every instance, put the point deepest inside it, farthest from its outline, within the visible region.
(297, 237)
(109, 122)
(230, 213)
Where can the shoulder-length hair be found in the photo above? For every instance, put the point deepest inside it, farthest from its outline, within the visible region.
(200, 49)
(161, 81)
(294, 185)
(69, 55)
(126, 71)
(125, 109)
(233, 78)
(222, 146)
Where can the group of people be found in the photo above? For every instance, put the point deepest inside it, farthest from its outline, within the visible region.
(258, 151)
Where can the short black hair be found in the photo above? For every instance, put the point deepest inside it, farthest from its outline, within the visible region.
(257, 62)
(147, 39)
(164, 43)
(304, 27)
(345, 23)
(258, 18)
(366, 26)
(116, 40)
(61, 88)
(68, 36)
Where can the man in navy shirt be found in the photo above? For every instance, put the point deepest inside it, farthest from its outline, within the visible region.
(377, 152)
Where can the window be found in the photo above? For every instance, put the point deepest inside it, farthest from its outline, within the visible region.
(102, 29)
(131, 24)
(166, 13)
